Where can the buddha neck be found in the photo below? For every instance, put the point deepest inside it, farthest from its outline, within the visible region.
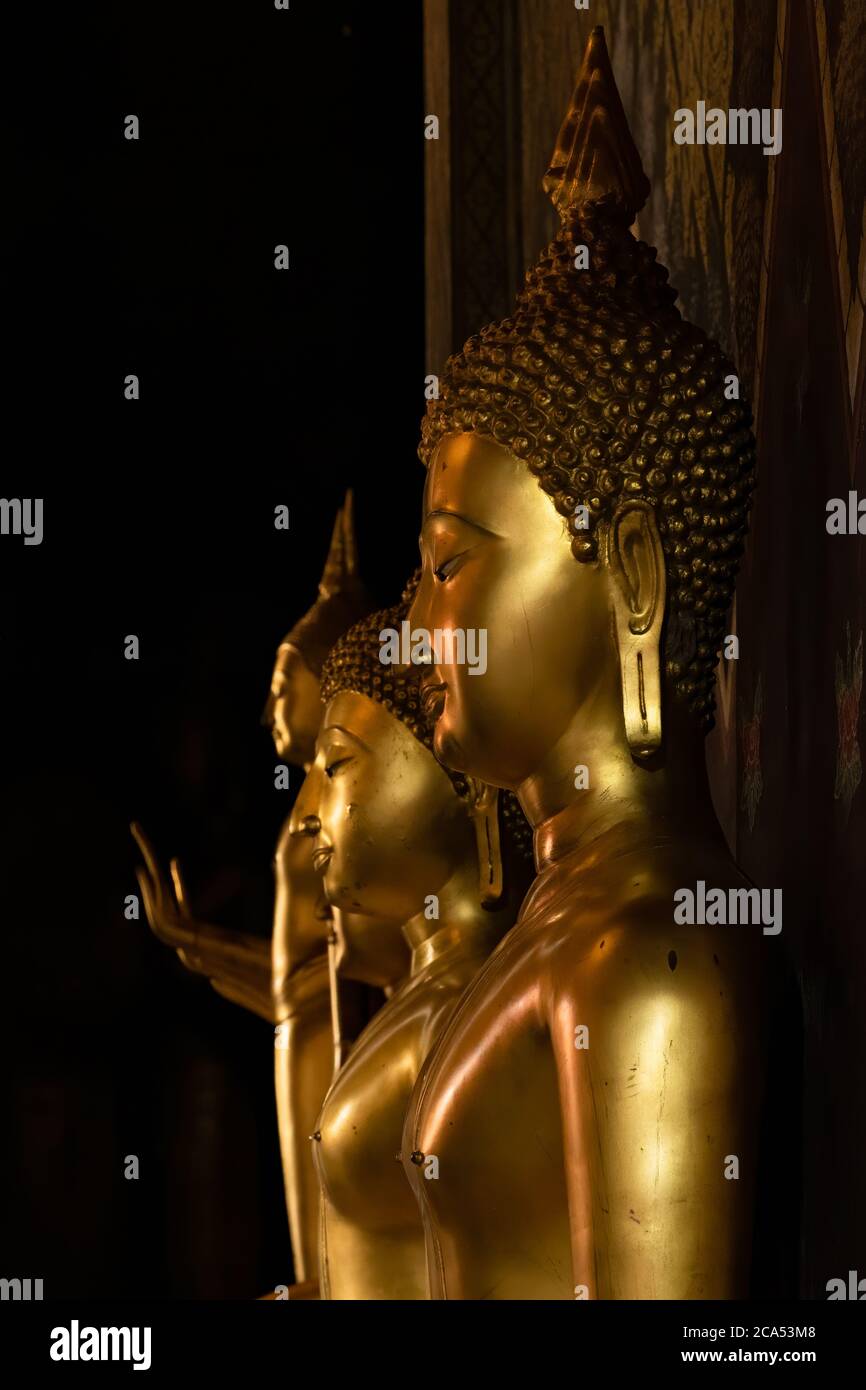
(462, 924)
(667, 795)
(451, 942)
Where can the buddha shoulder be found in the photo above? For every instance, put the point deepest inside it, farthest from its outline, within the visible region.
(635, 936)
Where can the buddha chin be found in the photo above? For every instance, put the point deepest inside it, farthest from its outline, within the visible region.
(462, 732)
(446, 743)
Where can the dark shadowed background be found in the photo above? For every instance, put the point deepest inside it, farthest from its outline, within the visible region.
(258, 387)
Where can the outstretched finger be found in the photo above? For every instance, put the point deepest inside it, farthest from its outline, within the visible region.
(146, 889)
(146, 848)
(179, 888)
(159, 884)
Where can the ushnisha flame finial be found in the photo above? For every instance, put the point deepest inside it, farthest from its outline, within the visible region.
(342, 598)
(342, 562)
(596, 159)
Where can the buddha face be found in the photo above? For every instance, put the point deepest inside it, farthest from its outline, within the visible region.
(293, 707)
(302, 913)
(392, 826)
(496, 555)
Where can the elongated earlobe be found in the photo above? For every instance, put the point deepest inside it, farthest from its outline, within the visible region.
(637, 565)
(483, 802)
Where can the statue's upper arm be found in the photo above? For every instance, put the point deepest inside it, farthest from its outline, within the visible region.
(656, 1122)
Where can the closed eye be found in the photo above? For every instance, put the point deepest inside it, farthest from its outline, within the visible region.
(332, 767)
(447, 569)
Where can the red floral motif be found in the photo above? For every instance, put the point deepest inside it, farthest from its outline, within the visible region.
(751, 737)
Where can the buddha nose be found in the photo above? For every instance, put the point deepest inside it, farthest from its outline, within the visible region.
(418, 606)
(311, 825)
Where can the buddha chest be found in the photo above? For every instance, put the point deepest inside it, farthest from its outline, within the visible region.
(373, 1243)
(486, 1108)
(591, 1109)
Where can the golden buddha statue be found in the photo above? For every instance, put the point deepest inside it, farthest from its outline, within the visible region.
(285, 980)
(406, 847)
(593, 1108)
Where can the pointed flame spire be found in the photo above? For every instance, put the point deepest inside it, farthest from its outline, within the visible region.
(342, 598)
(342, 561)
(595, 156)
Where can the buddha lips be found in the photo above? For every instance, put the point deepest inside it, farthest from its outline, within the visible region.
(443, 647)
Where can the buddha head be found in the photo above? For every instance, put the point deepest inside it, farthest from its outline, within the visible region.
(589, 467)
(293, 707)
(399, 833)
(292, 715)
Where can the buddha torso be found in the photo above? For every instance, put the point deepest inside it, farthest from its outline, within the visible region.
(372, 1239)
(603, 1165)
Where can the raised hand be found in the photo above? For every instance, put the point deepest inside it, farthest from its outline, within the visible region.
(165, 901)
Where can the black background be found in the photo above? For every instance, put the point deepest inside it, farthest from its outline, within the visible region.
(258, 387)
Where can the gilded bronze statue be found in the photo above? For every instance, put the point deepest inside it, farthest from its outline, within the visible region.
(435, 859)
(592, 1107)
(287, 979)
